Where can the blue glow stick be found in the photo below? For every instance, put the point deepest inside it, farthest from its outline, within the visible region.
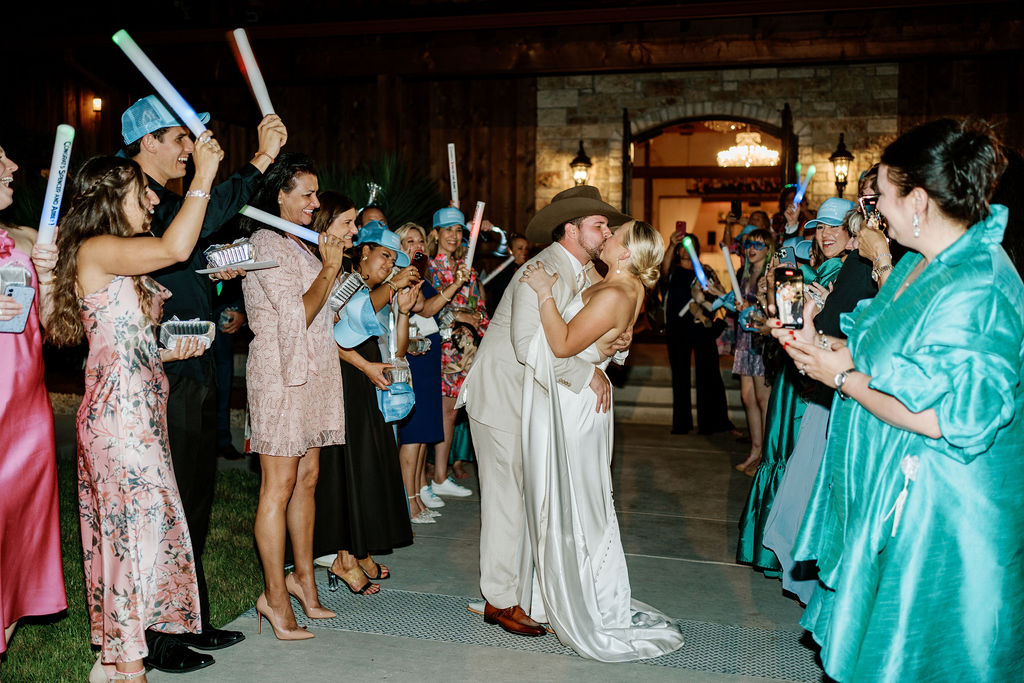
(280, 223)
(55, 183)
(698, 269)
(802, 189)
(163, 87)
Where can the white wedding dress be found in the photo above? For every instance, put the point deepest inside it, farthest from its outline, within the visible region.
(580, 568)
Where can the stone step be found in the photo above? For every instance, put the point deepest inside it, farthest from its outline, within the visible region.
(652, 414)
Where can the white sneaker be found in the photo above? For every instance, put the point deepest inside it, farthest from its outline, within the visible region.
(476, 607)
(428, 498)
(422, 518)
(448, 487)
(433, 513)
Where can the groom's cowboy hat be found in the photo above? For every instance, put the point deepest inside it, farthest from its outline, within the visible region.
(576, 202)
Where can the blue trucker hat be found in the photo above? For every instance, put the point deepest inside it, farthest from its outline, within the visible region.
(831, 212)
(147, 115)
(448, 216)
(376, 232)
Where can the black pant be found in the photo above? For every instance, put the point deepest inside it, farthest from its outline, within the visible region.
(192, 431)
(685, 337)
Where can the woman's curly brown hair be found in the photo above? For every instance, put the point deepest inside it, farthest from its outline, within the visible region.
(99, 190)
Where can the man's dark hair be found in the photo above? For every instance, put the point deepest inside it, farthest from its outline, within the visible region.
(559, 232)
(132, 149)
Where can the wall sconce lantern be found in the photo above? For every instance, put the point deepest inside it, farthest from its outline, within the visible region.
(580, 167)
(841, 159)
(97, 104)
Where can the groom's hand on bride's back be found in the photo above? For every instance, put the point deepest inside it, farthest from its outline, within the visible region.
(600, 385)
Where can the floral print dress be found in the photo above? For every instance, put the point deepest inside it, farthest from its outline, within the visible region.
(139, 567)
(458, 351)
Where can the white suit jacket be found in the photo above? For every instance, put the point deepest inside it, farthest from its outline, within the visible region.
(493, 390)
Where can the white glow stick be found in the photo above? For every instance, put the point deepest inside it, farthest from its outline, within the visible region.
(504, 264)
(732, 271)
(55, 183)
(163, 87)
(251, 70)
(453, 175)
(280, 223)
(474, 233)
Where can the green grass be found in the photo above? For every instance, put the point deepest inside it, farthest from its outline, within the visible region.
(57, 648)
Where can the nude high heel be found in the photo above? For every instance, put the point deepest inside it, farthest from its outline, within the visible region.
(291, 584)
(264, 610)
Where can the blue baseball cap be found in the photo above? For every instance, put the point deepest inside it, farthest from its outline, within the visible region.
(147, 115)
(448, 216)
(747, 229)
(376, 232)
(358, 321)
(831, 212)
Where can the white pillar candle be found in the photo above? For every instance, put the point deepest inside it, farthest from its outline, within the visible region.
(251, 70)
(55, 183)
(163, 87)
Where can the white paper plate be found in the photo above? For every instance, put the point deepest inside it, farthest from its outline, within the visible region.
(256, 265)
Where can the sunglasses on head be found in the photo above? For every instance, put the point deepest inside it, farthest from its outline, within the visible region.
(754, 244)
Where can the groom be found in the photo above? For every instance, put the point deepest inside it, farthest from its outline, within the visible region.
(577, 222)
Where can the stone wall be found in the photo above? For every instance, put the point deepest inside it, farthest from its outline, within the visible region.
(859, 99)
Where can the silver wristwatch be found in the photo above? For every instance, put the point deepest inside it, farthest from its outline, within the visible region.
(840, 380)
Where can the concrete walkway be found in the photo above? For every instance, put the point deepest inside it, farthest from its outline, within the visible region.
(678, 499)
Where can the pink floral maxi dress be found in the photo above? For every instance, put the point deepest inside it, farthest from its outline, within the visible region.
(139, 568)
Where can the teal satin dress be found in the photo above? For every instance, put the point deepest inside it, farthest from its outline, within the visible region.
(920, 541)
(782, 421)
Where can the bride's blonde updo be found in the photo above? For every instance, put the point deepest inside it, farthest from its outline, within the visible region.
(646, 250)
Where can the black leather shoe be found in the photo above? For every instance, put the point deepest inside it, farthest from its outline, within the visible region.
(211, 638)
(167, 654)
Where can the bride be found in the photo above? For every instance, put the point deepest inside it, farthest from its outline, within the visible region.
(580, 567)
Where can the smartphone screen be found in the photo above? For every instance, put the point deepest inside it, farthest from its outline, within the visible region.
(789, 297)
(868, 204)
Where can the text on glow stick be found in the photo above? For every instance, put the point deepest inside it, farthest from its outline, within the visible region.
(502, 266)
(55, 183)
(732, 271)
(698, 269)
(453, 175)
(251, 70)
(474, 233)
(280, 223)
(163, 87)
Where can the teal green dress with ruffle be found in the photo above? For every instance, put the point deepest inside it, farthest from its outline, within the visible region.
(920, 541)
(782, 421)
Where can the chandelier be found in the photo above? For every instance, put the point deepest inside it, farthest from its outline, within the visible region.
(721, 126)
(748, 151)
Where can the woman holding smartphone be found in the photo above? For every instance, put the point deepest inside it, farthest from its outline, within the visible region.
(786, 404)
(31, 578)
(915, 521)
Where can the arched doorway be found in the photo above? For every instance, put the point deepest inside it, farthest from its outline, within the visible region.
(671, 173)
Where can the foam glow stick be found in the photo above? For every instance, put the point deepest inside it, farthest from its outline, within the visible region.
(251, 70)
(453, 175)
(280, 223)
(163, 87)
(732, 271)
(55, 183)
(474, 233)
(698, 269)
(802, 188)
(504, 264)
